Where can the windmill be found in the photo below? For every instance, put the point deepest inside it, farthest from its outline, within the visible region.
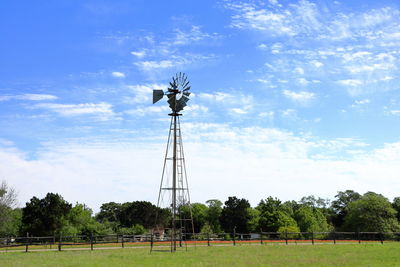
(174, 189)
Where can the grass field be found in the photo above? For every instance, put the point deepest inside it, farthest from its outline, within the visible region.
(266, 255)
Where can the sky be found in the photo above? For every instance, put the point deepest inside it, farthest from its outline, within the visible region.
(289, 98)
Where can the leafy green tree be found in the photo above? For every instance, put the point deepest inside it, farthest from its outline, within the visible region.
(213, 213)
(311, 219)
(44, 217)
(136, 229)
(109, 212)
(340, 206)
(274, 215)
(235, 213)
(371, 213)
(206, 229)
(254, 220)
(8, 216)
(81, 222)
(396, 206)
(289, 232)
(141, 212)
(199, 213)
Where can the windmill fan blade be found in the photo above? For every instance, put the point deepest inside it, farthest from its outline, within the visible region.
(181, 103)
(157, 95)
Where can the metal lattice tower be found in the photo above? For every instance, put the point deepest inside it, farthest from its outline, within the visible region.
(174, 189)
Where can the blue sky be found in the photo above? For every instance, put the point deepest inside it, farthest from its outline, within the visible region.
(290, 98)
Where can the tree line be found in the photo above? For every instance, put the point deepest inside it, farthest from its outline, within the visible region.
(52, 215)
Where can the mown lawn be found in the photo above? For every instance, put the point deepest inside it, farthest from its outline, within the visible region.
(267, 255)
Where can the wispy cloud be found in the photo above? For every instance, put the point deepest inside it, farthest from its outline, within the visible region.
(30, 97)
(118, 74)
(102, 110)
(351, 82)
(169, 52)
(301, 97)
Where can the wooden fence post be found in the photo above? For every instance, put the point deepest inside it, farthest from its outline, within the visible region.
(234, 236)
(26, 242)
(286, 237)
(334, 237)
(59, 242)
(91, 241)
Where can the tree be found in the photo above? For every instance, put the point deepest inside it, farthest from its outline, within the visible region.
(143, 213)
(129, 214)
(371, 213)
(340, 206)
(311, 219)
(396, 206)
(235, 213)
(81, 222)
(44, 217)
(254, 220)
(199, 215)
(8, 216)
(109, 212)
(274, 215)
(213, 213)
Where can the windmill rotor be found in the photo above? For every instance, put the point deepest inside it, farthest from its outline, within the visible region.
(177, 93)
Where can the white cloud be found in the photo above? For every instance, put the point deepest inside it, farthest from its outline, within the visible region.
(173, 61)
(139, 54)
(362, 102)
(299, 70)
(118, 74)
(262, 46)
(269, 158)
(316, 63)
(31, 97)
(249, 16)
(303, 81)
(150, 65)
(302, 97)
(351, 82)
(217, 96)
(239, 111)
(101, 109)
(195, 34)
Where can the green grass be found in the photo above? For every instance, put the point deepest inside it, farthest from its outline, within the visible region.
(387, 254)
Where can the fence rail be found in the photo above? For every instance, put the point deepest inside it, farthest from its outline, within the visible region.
(206, 239)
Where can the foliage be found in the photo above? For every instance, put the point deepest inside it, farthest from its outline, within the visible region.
(254, 220)
(274, 215)
(371, 212)
(199, 215)
(235, 213)
(132, 213)
(340, 206)
(213, 213)
(45, 217)
(8, 216)
(396, 206)
(136, 229)
(291, 232)
(81, 221)
(311, 219)
(206, 229)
